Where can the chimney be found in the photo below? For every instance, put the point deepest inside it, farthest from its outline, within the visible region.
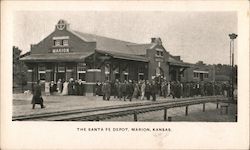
(156, 40)
(153, 40)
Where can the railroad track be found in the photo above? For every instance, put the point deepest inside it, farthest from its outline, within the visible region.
(101, 113)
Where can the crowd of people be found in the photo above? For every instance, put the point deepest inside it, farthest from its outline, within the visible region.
(143, 89)
(147, 89)
(71, 87)
(128, 90)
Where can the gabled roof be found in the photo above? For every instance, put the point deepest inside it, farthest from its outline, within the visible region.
(116, 48)
(106, 44)
(141, 49)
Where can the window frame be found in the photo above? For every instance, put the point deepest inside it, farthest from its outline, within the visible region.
(57, 43)
(65, 44)
(195, 75)
(41, 70)
(206, 75)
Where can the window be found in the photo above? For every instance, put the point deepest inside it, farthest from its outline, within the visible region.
(41, 76)
(65, 42)
(117, 73)
(41, 72)
(107, 68)
(61, 68)
(81, 67)
(159, 52)
(196, 75)
(70, 67)
(117, 76)
(81, 71)
(141, 73)
(126, 76)
(82, 76)
(61, 41)
(206, 75)
(57, 43)
(141, 70)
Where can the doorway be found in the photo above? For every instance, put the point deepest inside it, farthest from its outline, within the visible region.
(201, 77)
(60, 75)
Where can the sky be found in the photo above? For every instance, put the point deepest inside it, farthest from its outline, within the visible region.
(195, 36)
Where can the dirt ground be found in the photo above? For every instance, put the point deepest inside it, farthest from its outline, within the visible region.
(22, 106)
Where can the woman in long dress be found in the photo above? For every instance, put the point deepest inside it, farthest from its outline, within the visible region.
(65, 88)
(59, 86)
(169, 88)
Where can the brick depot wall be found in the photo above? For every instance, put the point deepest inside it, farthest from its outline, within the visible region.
(75, 43)
(153, 64)
(188, 75)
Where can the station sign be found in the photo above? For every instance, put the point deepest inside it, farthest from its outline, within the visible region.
(60, 50)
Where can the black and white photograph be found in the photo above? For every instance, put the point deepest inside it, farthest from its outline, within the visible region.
(125, 66)
(141, 72)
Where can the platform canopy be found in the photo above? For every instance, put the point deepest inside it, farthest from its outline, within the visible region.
(57, 57)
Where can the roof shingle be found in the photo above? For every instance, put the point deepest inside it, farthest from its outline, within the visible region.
(106, 44)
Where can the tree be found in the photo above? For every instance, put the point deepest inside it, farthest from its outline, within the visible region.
(19, 70)
(226, 71)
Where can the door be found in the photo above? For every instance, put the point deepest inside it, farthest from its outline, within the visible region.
(60, 75)
(201, 76)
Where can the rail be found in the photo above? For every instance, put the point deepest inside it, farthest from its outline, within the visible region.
(101, 113)
(85, 110)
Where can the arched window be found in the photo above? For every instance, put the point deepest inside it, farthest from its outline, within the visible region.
(159, 72)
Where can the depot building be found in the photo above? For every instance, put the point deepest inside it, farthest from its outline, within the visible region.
(66, 53)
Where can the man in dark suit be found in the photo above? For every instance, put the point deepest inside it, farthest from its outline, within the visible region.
(130, 90)
(106, 89)
(147, 90)
(153, 89)
(37, 96)
(124, 90)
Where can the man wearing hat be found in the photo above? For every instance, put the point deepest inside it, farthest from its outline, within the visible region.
(37, 96)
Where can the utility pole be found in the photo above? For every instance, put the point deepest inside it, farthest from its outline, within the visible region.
(232, 37)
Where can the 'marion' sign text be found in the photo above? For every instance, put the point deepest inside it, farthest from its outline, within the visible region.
(60, 50)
